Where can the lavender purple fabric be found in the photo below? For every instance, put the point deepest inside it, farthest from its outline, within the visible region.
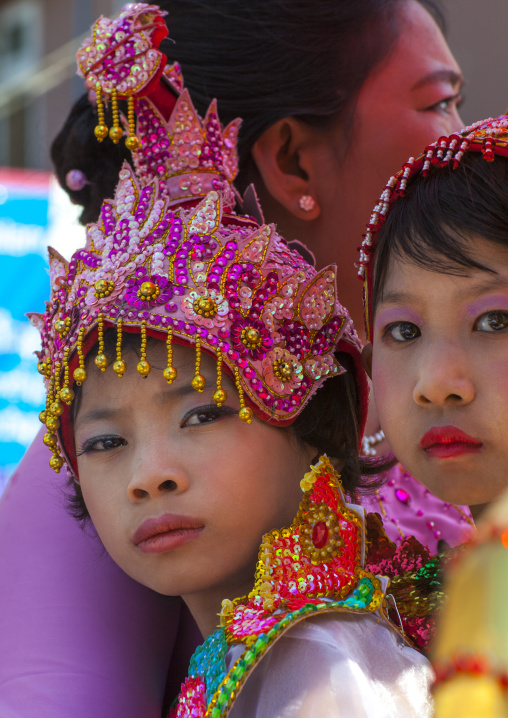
(78, 637)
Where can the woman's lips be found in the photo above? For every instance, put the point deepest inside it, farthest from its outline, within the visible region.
(443, 442)
(166, 533)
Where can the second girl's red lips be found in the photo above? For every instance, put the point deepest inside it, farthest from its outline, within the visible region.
(167, 532)
(444, 442)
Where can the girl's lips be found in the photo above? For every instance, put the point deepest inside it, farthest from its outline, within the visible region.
(443, 442)
(166, 533)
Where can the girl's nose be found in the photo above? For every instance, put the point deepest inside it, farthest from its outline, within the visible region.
(444, 378)
(156, 473)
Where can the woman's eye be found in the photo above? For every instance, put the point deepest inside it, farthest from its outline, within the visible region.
(102, 443)
(206, 415)
(402, 331)
(492, 321)
(447, 105)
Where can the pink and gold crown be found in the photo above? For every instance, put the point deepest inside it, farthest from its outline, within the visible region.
(490, 137)
(197, 274)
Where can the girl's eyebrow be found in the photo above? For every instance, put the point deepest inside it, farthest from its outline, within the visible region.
(96, 415)
(395, 298)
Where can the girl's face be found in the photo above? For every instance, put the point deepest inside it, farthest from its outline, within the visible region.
(179, 490)
(440, 374)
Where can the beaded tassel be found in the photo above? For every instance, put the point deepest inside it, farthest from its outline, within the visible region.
(143, 366)
(169, 372)
(80, 371)
(119, 367)
(132, 142)
(66, 394)
(220, 394)
(115, 132)
(199, 381)
(245, 412)
(101, 360)
(101, 130)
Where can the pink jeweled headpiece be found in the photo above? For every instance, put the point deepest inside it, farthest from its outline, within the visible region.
(490, 137)
(197, 274)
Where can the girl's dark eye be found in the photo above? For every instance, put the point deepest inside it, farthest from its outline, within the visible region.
(102, 443)
(206, 415)
(402, 331)
(492, 321)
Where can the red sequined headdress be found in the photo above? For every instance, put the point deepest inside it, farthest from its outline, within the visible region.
(170, 258)
(490, 137)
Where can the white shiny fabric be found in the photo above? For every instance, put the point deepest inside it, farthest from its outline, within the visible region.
(337, 666)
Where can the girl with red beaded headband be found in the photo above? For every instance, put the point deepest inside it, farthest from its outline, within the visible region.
(194, 366)
(433, 263)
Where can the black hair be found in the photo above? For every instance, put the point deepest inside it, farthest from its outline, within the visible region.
(263, 60)
(432, 224)
(329, 422)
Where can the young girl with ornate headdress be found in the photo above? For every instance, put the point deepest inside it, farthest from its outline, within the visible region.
(195, 366)
(435, 266)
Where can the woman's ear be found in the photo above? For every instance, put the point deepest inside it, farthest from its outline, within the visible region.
(367, 359)
(284, 159)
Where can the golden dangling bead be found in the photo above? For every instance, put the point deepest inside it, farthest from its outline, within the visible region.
(169, 372)
(52, 422)
(56, 463)
(245, 412)
(132, 142)
(56, 408)
(143, 365)
(66, 395)
(42, 417)
(101, 360)
(219, 395)
(198, 382)
(119, 367)
(49, 439)
(116, 131)
(101, 130)
(79, 373)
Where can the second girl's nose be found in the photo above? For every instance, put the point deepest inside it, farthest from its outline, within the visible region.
(443, 378)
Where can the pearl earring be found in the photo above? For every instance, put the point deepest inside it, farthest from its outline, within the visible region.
(306, 202)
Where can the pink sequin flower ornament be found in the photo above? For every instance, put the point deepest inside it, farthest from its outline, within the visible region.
(282, 371)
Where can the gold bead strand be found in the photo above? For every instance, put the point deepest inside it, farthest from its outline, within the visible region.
(101, 360)
(245, 412)
(119, 367)
(66, 394)
(115, 132)
(132, 142)
(52, 419)
(79, 373)
(143, 366)
(101, 130)
(169, 372)
(220, 394)
(198, 382)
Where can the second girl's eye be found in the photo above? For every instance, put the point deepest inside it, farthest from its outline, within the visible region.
(492, 321)
(402, 331)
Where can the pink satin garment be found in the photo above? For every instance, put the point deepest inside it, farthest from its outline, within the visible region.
(78, 636)
(409, 509)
